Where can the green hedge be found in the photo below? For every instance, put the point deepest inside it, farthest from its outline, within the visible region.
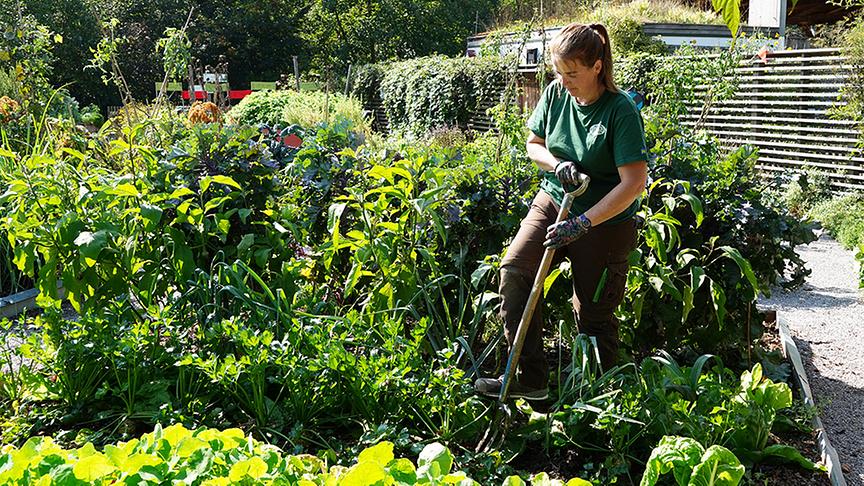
(421, 94)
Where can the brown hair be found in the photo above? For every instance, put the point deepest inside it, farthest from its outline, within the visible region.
(586, 44)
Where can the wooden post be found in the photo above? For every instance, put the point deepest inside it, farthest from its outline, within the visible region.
(348, 80)
(191, 83)
(296, 73)
(327, 100)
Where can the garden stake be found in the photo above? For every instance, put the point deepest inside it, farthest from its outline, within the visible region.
(499, 425)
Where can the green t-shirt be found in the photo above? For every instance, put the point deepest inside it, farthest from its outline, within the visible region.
(599, 138)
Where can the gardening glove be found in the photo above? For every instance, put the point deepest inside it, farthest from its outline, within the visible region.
(566, 232)
(567, 173)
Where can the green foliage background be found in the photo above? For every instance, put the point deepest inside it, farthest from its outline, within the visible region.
(326, 35)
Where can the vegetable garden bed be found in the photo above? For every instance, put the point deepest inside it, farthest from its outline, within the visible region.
(341, 295)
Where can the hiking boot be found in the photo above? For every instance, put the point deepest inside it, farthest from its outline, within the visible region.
(491, 387)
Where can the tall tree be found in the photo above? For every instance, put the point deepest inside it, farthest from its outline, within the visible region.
(365, 31)
(258, 37)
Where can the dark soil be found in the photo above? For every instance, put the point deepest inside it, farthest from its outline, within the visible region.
(787, 474)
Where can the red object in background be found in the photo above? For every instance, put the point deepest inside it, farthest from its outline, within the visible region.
(239, 94)
(234, 94)
(199, 95)
(292, 141)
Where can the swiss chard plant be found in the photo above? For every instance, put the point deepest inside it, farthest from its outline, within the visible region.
(755, 408)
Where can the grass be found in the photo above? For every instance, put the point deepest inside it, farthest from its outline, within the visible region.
(564, 12)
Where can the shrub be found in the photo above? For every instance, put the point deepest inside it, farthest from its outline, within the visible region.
(843, 217)
(423, 94)
(306, 109)
(806, 190)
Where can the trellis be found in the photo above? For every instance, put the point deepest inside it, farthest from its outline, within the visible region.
(782, 107)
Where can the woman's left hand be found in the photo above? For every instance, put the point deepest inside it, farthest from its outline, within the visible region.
(566, 232)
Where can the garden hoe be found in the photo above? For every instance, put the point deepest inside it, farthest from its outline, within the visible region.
(500, 423)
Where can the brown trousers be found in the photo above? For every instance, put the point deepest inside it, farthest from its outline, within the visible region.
(602, 250)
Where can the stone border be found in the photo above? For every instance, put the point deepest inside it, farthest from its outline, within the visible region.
(829, 454)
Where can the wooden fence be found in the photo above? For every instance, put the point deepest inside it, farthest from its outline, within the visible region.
(781, 106)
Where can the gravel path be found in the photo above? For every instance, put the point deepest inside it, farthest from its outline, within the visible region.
(826, 318)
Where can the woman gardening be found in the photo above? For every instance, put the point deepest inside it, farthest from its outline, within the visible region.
(582, 123)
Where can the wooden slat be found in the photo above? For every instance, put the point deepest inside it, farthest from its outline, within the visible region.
(816, 138)
(781, 120)
(788, 128)
(784, 86)
(751, 94)
(814, 155)
(819, 51)
(773, 61)
(750, 102)
(778, 69)
(809, 163)
(779, 111)
(773, 79)
(800, 146)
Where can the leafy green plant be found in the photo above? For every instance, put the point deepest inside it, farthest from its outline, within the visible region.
(679, 380)
(11, 279)
(680, 81)
(215, 457)
(175, 49)
(679, 276)
(71, 356)
(675, 400)
(692, 464)
(26, 53)
(244, 376)
(806, 190)
(18, 377)
(105, 59)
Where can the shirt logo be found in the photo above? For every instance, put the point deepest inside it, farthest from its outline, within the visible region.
(597, 130)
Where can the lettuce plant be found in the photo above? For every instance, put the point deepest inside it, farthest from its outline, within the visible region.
(692, 464)
(210, 457)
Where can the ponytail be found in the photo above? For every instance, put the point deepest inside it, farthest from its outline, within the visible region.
(606, 75)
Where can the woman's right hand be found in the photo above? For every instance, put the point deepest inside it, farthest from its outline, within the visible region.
(567, 173)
